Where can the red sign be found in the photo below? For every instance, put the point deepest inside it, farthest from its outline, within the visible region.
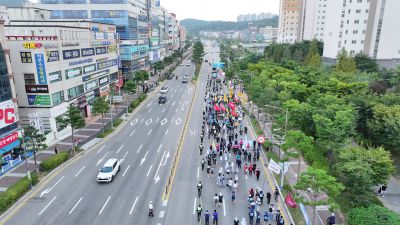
(7, 113)
(8, 139)
(261, 139)
(290, 201)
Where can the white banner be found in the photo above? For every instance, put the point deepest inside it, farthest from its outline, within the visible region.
(286, 168)
(274, 167)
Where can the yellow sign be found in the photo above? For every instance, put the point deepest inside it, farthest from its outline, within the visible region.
(32, 45)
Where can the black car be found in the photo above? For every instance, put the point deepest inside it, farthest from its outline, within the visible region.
(162, 99)
(170, 76)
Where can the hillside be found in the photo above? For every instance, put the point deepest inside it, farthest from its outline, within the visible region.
(193, 26)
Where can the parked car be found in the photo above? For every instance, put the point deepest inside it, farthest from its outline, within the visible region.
(164, 90)
(162, 99)
(188, 64)
(170, 76)
(109, 170)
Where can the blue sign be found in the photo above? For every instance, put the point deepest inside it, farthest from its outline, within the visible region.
(40, 69)
(81, 62)
(219, 65)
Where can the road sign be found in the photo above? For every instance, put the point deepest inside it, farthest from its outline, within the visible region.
(261, 139)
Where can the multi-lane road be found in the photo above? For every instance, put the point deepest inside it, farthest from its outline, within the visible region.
(147, 145)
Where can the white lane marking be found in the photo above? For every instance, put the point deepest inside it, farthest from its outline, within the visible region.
(108, 199)
(134, 122)
(158, 118)
(123, 158)
(178, 121)
(79, 171)
(101, 149)
(163, 110)
(164, 203)
(173, 103)
(159, 148)
(223, 203)
(49, 189)
(140, 148)
(120, 148)
(172, 119)
(144, 158)
(132, 132)
(148, 172)
(166, 132)
(176, 109)
(164, 121)
(148, 105)
(150, 110)
(198, 171)
(162, 213)
(102, 158)
(148, 123)
(141, 120)
(47, 205)
(133, 206)
(76, 204)
(126, 170)
(149, 131)
(194, 206)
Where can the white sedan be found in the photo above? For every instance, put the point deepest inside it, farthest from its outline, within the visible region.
(164, 90)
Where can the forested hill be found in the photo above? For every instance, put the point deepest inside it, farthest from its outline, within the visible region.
(193, 26)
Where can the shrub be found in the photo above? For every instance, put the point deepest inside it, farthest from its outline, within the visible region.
(142, 97)
(273, 156)
(105, 133)
(117, 122)
(14, 192)
(373, 215)
(54, 161)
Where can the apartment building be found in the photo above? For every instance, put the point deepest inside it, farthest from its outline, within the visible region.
(269, 33)
(363, 26)
(314, 19)
(59, 63)
(173, 33)
(156, 31)
(182, 36)
(290, 21)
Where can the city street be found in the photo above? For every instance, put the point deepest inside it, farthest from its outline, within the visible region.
(145, 145)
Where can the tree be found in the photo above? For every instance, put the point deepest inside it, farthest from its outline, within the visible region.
(34, 141)
(345, 63)
(130, 86)
(361, 169)
(74, 119)
(141, 76)
(101, 107)
(313, 59)
(365, 63)
(198, 52)
(318, 182)
(372, 215)
(158, 66)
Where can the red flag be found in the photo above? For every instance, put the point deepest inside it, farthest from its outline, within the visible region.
(233, 113)
(221, 106)
(290, 201)
(216, 108)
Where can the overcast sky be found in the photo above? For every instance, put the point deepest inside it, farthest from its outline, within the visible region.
(226, 10)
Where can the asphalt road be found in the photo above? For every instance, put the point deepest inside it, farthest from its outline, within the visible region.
(145, 146)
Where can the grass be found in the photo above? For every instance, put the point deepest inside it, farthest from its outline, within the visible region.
(105, 133)
(117, 122)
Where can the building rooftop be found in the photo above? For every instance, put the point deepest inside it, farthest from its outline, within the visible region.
(15, 3)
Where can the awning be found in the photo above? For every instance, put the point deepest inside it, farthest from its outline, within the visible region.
(9, 147)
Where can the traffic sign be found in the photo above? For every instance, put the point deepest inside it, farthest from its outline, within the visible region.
(261, 139)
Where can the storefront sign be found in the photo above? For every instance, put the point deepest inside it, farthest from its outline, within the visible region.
(40, 69)
(87, 51)
(70, 44)
(95, 75)
(90, 68)
(71, 73)
(90, 96)
(71, 54)
(104, 90)
(107, 64)
(91, 85)
(55, 76)
(52, 56)
(101, 50)
(36, 89)
(50, 46)
(103, 80)
(7, 113)
(39, 100)
(81, 62)
(102, 59)
(100, 43)
(32, 45)
(8, 139)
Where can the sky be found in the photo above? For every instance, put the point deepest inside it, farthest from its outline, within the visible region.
(226, 10)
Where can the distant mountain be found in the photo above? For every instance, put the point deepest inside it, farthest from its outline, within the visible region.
(193, 26)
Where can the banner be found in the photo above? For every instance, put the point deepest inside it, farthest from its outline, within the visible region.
(274, 167)
(290, 201)
(40, 68)
(7, 113)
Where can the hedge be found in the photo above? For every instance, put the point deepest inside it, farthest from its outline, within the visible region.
(14, 192)
(117, 122)
(373, 215)
(105, 133)
(54, 161)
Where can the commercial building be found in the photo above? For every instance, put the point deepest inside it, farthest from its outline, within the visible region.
(173, 33)
(270, 33)
(182, 36)
(9, 129)
(290, 21)
(59, 63)
(156, 31)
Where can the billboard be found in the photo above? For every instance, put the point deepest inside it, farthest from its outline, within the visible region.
(7, 113)
(40, 68)
(39, 100)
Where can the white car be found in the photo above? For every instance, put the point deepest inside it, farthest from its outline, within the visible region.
(181, 64)
(164, 90)
(109, 170)
(188, 64)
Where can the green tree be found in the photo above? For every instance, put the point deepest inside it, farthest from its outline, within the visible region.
(101, 107)
(34, 141)
(158, 66)
(319, 182)
(365, 63)
(372, 215)
(141, 76)
(198, 52)
(313, 59)
(345, 63)
(73, 118)
(130, 86)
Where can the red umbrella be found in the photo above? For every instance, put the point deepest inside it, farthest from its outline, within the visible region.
(290, 201)
(216, 108)
(231, 105)
(233, 113)
(221, 106)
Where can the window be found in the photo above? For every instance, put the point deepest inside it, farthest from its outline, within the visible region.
(356, 21)
(29, 78)
(355, 31)
(58, 98)
(26, 57)
(75, 91)
(354, 42)
(71, 73)
(358, 11)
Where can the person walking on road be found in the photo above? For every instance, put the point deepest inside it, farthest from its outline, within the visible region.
(258, 173)
(215, 217)
(276, 194)
(151, 208)
(199, 210)
(269, 198)
(243, 222)
(251, 215)
(207, 217)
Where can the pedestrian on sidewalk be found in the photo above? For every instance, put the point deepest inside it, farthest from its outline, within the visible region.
(233, 198)
(258, 218)
(331, 219)
(258, 173)
(55, 150)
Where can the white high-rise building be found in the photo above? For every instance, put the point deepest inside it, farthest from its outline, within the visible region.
(314, 19)
(363, 26)
(290, 21)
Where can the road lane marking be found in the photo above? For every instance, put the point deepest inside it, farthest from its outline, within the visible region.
(132, 132)
(172, 119)
(173, 103)
(76, 204)
(176, 109)
(148, 105)
(108, 199)
(140, 148)
(158, 118)
(141, 120)
(47, 205)
(198, 172)
(134, 122)
(49, 189)
(79, 171)
(164, 121)
(120, 148)
(101, 149)
(102, 158)
(148, 172)
(194, 206)
(149, 131)
(123, 158)
(223, 203)
(156, 175)
(144, 158)
(164, 203)
(133, 206)
(159, 148)
(162, 213)
(166, 132)
(148, 123)
(150, 110)
(126, 170)
(163, 110)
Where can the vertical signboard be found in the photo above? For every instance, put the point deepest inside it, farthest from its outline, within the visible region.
(40, 68)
